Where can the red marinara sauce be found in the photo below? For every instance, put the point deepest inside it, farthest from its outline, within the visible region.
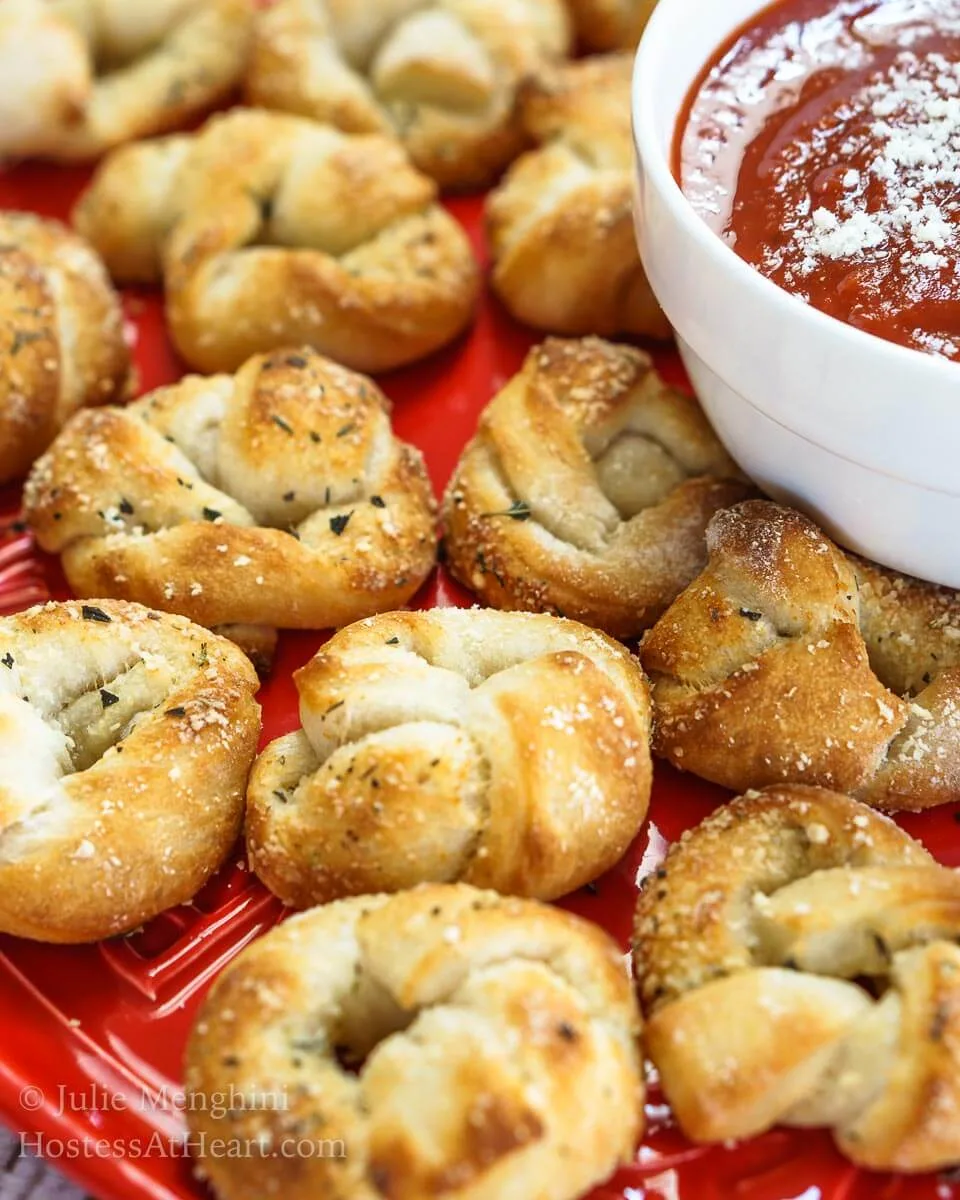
(822, 142)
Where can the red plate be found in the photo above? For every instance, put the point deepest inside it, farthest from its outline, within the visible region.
(93, 1036)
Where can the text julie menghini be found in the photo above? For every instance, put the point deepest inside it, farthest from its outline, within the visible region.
(231, 1102)
(95, 1099)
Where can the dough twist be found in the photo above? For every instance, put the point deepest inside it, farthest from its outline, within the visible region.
(78, 77)
(561, 223)
(126, 737)
(498, 1042)
(797, 960)
(441, 75)
(275, 497)
(587, 489)
(62, 345)
(610, 24)
(508, 750)
(786, 661)
(271, 230)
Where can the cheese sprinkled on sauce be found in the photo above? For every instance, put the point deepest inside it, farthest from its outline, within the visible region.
(822, 142)
(916, 127)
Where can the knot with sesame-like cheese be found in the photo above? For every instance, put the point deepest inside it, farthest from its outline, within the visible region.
(495, 1043)
(271, 230)
(787, 661)
(275, 497)
(62, 343)
(587, 489)
(560, 223)
(441, 75)
(507, 750)
(126, 737)
(80, 76)
(797, 962)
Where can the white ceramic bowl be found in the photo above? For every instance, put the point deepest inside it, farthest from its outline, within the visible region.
(862, 434)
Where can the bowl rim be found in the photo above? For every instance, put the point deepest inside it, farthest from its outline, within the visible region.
(937, 371)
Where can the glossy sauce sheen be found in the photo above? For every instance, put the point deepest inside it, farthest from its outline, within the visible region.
(822, 142)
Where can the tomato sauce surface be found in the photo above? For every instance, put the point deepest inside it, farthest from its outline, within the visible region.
(822, 142)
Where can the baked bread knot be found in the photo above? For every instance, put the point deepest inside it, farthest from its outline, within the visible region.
(442, 76)
(560, 224)
(507, 750)
(62, 345)
(610, 24)
(496, 1041)
(126, 737)
(271, 230)
(587, 489)
(797, 962)
(787, 661)
(78, 77)
(275, 497)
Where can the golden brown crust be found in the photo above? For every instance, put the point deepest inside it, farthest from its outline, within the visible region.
(120, 71)
(443, 77)
(278, 496)
(498, 1039)
(796, 957)
(762, 674)
(63, 345)
(272, 230)
(507, 750)
(697, 912)
(587, 489)
(126, 737)
(911, 628)
(561, 223)
(127, 210)
(610, 24)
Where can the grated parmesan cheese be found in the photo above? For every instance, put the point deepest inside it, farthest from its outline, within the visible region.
(913, 119)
